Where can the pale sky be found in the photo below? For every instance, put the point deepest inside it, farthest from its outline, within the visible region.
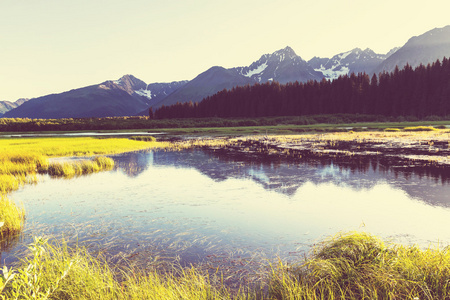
(51, 46)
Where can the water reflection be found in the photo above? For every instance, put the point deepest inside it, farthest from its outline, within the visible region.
(430, 185)
(200, 205)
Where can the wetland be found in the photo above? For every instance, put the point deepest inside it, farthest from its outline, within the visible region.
(233, 206)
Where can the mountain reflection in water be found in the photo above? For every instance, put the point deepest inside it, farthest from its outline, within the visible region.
(430, 185)
(197, 204)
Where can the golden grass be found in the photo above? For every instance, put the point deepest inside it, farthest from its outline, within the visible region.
(77, 168)
(360, 266)
(85, 146)
(348, 266)
(56, 272)
(11, 217)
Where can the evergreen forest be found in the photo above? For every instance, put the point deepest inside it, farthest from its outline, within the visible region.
(420, 92)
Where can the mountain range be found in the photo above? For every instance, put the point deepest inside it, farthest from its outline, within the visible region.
(130, 96)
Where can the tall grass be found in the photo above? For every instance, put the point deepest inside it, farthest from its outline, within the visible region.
(361, 266)
(56, 272)
(77, 168)
(11, 217)
(348, 266)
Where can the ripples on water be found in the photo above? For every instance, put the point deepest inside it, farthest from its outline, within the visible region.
(201, 207)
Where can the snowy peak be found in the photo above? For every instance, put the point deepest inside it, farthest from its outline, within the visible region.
(353, 61)
(282, 66)
(129, 83)
(286, 53)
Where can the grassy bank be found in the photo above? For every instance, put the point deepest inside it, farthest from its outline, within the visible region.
(348, 266)
(22, 159)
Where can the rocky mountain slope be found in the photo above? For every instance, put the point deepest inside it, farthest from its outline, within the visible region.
(124, 97)
(423, 49)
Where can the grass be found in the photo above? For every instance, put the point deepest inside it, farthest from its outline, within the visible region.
(56, 272)
(361, 266)
(420, 128)
(77, 168)
(12, 218)
(53, 147)
(353, 265)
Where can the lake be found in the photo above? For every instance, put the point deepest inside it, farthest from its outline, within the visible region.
(200, 206)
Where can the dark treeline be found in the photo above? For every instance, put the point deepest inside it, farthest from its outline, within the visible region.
(419, 92)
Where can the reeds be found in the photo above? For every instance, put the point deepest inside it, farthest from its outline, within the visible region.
(360, 266)
(11, 217)
(56, 272)
(77, 168)
(347, 266)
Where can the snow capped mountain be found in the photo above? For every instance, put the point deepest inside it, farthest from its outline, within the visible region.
(353, 61)
(282, 66)
(130, 95)
(126, 96)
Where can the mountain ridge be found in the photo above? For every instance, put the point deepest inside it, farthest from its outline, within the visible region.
(131, 96)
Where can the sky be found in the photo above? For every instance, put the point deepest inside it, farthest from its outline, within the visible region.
(51, 46)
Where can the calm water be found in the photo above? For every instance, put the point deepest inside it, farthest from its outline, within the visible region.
(199, 205)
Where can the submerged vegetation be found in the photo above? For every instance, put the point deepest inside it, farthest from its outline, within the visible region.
(348, 266)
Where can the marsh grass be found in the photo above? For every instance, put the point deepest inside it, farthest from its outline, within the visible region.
(348, 266)
(53, 147)
(77, 168)
(420, 128)
(57, 272)
(11, 217)
(361, 266)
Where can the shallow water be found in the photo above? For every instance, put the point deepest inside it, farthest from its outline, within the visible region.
(201, 206)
